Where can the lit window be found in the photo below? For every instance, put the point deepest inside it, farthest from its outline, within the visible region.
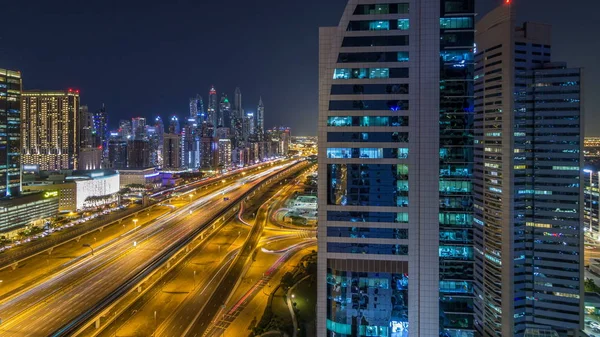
(403, 24)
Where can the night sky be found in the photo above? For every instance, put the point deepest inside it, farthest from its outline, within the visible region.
(147, 58)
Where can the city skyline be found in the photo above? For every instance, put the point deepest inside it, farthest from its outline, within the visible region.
(128, 50)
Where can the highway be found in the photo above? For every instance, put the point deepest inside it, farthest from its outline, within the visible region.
(44, 309)
(32, 248)
(174, 301)
(195, 316)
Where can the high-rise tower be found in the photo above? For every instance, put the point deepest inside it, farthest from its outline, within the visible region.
(213, 106)
(224, 112)
(174, 126)
(395, 166)
(237, 102)
(528, 182)
(50, 135)
(10, 140)
(260, 120)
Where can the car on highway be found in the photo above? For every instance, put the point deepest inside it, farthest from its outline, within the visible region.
(226, 199)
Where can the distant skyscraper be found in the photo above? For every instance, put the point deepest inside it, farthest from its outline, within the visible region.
(101, 130)
(160, 126)
(237, 119)
(174, 127)
(224, 112)
(250, 120)
(395, 227)
(224, 153)
(191, 145)
(10, 141)
(528, 183)
(155, 144)
(237, 103)
(117, 154)
(138, 154)
(138, 125)
(50, 135)
(172, 151)
(208, 153)
(125, 129)
(213, 106)
(260, 120)
(86, 128)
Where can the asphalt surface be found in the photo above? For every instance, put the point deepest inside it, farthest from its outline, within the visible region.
(45, 308)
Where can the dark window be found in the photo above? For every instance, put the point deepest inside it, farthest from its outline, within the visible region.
(373, 57)
(368, 41)
(401, 8)
(369, 89)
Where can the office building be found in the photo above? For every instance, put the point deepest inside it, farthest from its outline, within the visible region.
(117, 154)
(77, 190)
(190, 155)
(591, 199)
(224, 153)
(16, 214)
(172, 151)
(208, 153)
(86, 128)
(149, 177)
(224, 112)
(138, 154)
(212, 110)
(50, 135)
(101, 130)
(10, 135)
(249, 126)
(260, 120)
(174, 126)
(527, 186)
(90, 158)
(395, 164)
(125, 129)
(138, 125)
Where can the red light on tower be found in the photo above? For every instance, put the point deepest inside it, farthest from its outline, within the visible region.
(508, 2)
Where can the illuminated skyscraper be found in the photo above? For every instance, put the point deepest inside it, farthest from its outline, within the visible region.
(260, 120)
(224, 112)
(50, 135)
(395, 170)
(237, 103)
(125, 129)
(224, 153)
(138, 125)
(86, 127)
(213, 106)
(528, 183)
(172, 151)
(174, 127)
(10, 136)
(159, 128)
(101, 130)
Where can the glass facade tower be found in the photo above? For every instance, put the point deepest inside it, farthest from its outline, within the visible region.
(528, 189)
(395, 170)
(10, 132)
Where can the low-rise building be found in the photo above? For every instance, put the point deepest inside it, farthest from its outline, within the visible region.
(148, 177)
(75, 187)
(20, 212)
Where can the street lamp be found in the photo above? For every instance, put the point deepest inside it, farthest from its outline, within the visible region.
(135, 221)
(90, 247)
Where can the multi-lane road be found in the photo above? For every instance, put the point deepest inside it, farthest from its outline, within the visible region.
(44, 309)
(188, 297)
